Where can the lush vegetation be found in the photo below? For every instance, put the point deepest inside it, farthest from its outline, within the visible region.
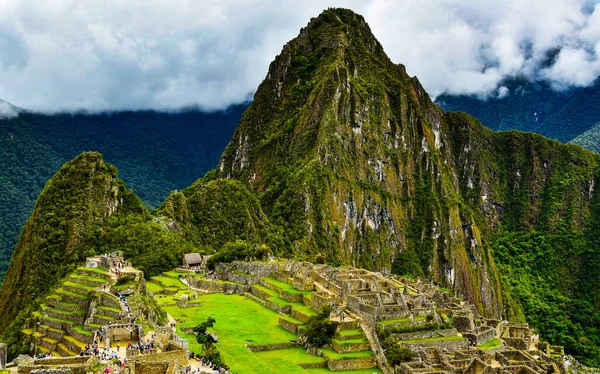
(590, 139)
(239, 251)
(319, 329)
(209, 351)
(548, 285)
(395, 352)
(155, 153)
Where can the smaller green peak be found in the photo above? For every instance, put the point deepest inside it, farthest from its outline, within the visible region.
(87, 163)
(88, 156)
(337, 16)
(340, 18)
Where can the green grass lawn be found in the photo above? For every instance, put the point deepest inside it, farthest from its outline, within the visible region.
(287, 360)
(94, 270)
(340, 356)
(154, 287)
(352, 341)
(491, 344)
(269, 291)
(169, 282)
(402, 320)
(173, 274)
(286, 287)
(352, 332)
(241, 321)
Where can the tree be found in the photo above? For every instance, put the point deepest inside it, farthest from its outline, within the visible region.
(319, 329)
(202, 336)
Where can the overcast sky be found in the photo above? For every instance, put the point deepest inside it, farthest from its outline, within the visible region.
(148, 54)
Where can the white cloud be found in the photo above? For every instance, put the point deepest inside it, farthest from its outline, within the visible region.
(107, 55)
(7, 110)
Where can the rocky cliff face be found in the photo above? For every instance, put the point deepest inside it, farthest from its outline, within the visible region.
(352, 158)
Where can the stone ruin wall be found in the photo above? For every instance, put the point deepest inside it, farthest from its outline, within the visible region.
(74, 365)
(3, 356)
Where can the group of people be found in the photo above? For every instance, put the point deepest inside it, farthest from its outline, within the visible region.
(214, 277)
(102, 354)
(143, 348)
(127, 314)
(205, 363)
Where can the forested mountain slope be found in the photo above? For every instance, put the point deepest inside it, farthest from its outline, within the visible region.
(155, 152)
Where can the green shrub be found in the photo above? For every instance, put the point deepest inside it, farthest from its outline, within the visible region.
(319, 329)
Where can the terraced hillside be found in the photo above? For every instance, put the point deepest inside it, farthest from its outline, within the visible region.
(258, 332)
(66, 322)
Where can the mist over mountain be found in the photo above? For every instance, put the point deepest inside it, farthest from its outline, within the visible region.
(535, 107)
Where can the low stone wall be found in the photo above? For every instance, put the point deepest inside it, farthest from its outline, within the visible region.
(425, 334)
(314, 365)
(180, 355)
(148, 367)
(294, 298)
(351, 364)
(482, 337)
(81, 337)
(349, 337)
(51, 333)
(288, 325)
(516, 343)
(108, 300)
(271, 347)
(254, 298)
(215, 286)
(73, 365)
(188, 303)
(347, 348)
(450, 345)
(262, 294)
(283, 309)
(318, 299)
(51, 371)
(299, 315)
(349, 325)
(238, 271)
(55, 304)
(76, 300)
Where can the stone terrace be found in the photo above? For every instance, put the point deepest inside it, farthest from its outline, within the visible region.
(66, 322)
(444, 333)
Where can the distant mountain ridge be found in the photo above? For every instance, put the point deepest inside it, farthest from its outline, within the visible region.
(533, 107)
(589, 139)
(156, 152)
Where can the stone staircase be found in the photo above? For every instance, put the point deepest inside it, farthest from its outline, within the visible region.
(65, 322)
